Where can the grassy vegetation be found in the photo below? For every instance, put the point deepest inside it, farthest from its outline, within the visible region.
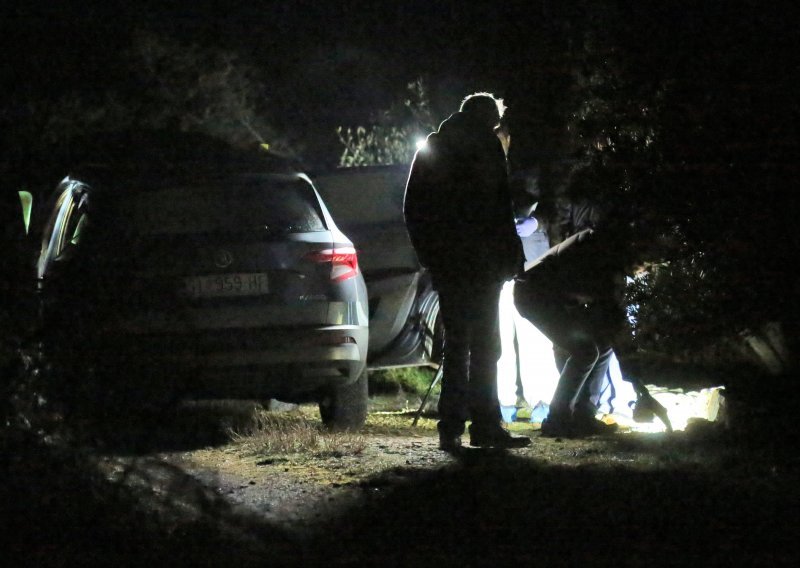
(399, 423)
(300, 433)
(412, 380)
(294, 432)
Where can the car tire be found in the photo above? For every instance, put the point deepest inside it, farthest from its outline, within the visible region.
(432, 324)
(345, 407)
(437, 343)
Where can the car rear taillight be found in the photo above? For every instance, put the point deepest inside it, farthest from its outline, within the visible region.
(344, 261)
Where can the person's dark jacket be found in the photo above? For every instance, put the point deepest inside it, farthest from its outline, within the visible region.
(458, 207)
(582, 271)
(574, 216)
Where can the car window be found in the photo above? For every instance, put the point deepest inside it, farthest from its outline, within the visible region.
(238, 205)
(79, 228)
(74, 223)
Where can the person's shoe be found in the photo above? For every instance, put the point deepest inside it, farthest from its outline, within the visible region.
(556, 428)
(449, 444)
(590, 426)
(509, 413)
(495, 437)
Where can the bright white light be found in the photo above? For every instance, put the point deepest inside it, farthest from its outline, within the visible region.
(535, 361)
(681, 407)
(421, 143)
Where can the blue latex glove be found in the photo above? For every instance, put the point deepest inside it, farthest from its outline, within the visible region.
(526, 227)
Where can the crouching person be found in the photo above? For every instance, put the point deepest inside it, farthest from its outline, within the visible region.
(574, 295)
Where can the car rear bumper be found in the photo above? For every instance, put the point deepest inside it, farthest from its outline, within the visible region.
(254, 363)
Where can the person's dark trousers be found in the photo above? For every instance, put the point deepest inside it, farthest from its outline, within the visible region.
(471, 349)
(572, 328)
(596, 387)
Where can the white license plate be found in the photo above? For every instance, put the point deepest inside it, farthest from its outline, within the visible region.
(222, 285)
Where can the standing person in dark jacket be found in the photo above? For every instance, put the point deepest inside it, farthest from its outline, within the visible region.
(459, 215)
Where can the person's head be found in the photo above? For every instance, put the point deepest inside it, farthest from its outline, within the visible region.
(484, 107)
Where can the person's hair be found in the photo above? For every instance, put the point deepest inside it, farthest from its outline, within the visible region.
(484, 105)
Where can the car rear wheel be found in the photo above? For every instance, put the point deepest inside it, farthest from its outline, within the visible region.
(345, 407)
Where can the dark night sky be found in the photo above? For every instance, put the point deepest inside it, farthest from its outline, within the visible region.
(377, 45)
(408, 37)
(344, 59)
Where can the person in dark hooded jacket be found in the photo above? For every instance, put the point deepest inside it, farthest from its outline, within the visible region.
(459, 215)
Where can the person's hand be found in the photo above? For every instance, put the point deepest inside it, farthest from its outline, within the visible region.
(526, 227)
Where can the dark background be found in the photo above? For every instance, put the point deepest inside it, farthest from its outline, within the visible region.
(337, 63)
(685, 113)
(327, 63)
(332, 63)
(682, 114)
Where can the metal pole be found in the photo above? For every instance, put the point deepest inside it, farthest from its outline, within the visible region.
(436, 378)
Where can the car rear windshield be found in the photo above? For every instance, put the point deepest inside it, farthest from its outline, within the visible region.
(232, 206)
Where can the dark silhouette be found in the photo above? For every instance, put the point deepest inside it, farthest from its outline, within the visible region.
(459, 215)
(573, 294)
(571, 215)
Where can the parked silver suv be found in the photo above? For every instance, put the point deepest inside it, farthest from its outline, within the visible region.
(210, 273)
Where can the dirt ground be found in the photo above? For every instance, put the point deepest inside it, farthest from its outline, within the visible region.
(389, 497)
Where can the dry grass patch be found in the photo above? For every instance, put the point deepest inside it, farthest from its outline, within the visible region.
(294, 433)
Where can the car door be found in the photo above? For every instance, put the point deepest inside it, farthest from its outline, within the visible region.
(368, 205)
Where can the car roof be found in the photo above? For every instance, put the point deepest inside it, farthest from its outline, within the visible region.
(153, 155)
